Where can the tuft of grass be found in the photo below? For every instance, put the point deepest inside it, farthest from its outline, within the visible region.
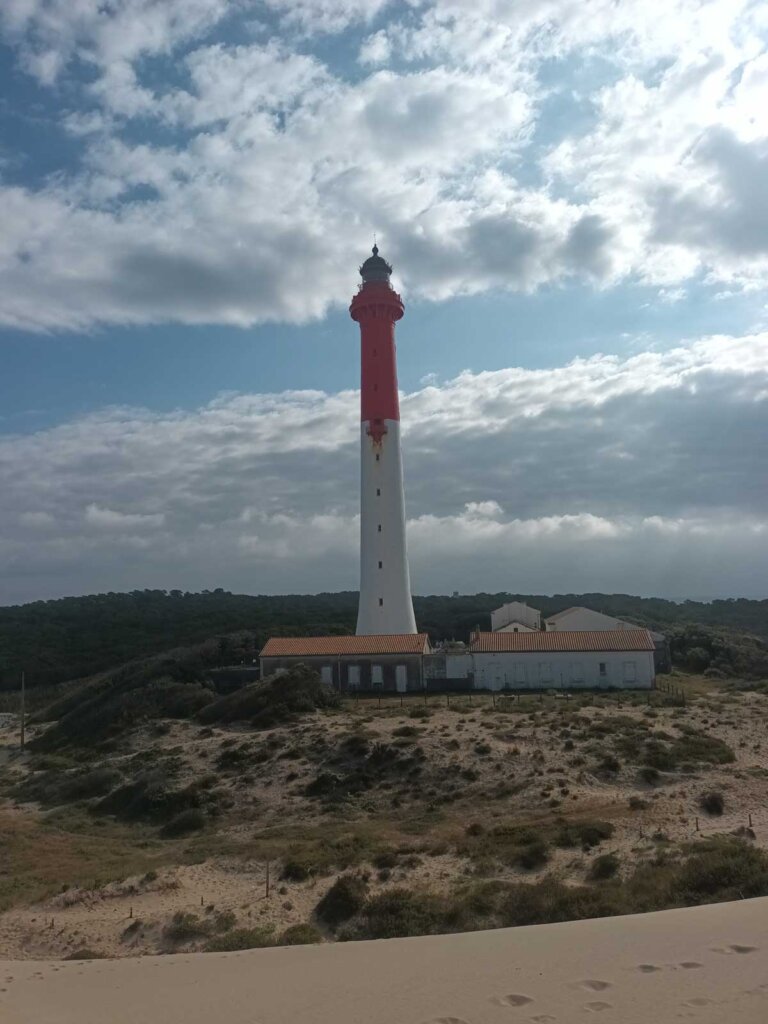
(300, 935)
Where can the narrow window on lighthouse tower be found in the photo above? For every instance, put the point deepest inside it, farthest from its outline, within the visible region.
(381, 565)
(378, 492)
(379, 527)
(381, 602)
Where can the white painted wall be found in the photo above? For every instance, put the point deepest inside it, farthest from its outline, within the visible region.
(385, 593)
(458, 666)
(585, 618)
(515, 611)
(553, 669)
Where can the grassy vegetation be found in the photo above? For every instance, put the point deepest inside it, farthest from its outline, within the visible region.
(38, 859)
(719, 870)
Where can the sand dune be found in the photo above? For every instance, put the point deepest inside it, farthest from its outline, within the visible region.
(708, 964)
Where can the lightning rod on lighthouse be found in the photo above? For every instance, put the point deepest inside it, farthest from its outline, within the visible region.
(385, 586)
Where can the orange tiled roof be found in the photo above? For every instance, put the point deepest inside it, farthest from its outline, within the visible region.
(336, 646)
(567, 640)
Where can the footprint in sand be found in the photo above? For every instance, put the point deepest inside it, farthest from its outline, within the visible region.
(514, 1000)
(689, 965)
(648, 968)
(698, 1001)
(542, 1018)
(597, 1006)
(593, 986)
(743, 949)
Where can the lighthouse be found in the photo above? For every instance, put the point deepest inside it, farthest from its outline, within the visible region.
(385, 587)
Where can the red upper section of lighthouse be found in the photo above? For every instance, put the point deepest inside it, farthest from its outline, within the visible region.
(377, 307)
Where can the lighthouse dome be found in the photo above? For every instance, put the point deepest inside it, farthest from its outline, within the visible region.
(375, 268)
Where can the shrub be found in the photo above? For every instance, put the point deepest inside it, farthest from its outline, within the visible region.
(52, 788)
(712, 803)
(300, 935)
(241, 938)
(183, 823)
(399, 912)
(406, 730)
(532, 855)
(609, 764)
(585, 834)
(185, 927)
(700, 747)
(604, 866)
(84, 953)
(649, 775)
(274, 700)
(721, 870)
(163, 687)
(420, 712)
(550, 900)
(148, 798)
(343, 900)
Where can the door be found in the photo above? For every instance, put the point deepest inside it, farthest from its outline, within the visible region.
(401, 678)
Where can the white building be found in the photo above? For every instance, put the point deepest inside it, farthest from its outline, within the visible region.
(568, 660)
(584, 618)
(515, 617)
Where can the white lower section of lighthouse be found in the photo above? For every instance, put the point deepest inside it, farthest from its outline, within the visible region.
(385, 586)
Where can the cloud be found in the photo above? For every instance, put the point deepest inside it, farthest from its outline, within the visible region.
(110, 519)
(637, 474)
(215, 176)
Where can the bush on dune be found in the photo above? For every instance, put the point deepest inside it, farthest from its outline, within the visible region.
(274, 700)
(167, 688)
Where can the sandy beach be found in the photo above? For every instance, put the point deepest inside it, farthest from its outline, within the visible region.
(705, 964)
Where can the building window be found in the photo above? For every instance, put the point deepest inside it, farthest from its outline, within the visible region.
(377, 458)
(381, 565)
(353, 676)
(515, 629)
(381, 602)
(377, 675)
(379, 527)
(603, 669)
(378, 492)
(630, 672)
(326, 674)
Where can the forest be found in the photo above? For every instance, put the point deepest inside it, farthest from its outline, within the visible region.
(73, 637)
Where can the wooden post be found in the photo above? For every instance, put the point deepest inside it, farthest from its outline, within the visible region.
(697, 824)
(23, 709)
(750, 819)
(493, 698)
(267, 881)
(130, 912)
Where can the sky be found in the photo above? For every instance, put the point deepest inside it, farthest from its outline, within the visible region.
(575, 201)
